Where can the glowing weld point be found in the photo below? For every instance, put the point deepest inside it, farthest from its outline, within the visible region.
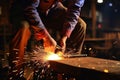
(53, 57)
(106, 70)
(59, 53)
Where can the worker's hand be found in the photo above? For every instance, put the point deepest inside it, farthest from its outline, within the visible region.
(63, 43)
(49, 44)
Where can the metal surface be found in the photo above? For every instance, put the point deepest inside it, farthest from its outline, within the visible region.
(71, 66)
(88, 66)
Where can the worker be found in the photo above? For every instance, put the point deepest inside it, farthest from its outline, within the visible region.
(41, 18)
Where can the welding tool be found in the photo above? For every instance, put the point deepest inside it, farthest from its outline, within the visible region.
(74, 55)
(60, 53)
(58, 49)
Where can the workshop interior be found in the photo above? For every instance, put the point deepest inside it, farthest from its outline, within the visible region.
(99, 58)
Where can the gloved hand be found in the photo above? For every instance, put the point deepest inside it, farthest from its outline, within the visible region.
(63, 43)
(49, 44)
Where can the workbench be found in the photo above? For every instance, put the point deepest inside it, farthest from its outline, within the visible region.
(88, 68)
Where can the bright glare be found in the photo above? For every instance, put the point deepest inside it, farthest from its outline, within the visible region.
(110, 4)
(53, 56)
(99, 1)
(106, 70)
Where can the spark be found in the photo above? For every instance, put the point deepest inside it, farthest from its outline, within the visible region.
(106, 70)
(53, 56)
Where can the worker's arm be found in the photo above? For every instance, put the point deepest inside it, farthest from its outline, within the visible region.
(40, 32)
(72, 15)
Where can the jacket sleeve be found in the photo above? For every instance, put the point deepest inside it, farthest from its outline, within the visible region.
(31, 14)
(72, 15)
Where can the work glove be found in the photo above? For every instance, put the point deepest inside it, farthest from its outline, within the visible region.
(62, 43)
(49, 43)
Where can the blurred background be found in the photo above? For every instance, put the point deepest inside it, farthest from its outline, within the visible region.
(102, 35)
(103, 28)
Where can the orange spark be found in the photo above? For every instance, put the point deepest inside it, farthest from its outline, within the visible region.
(53, 56)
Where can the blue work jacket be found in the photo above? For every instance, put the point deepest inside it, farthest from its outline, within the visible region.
(27, 10)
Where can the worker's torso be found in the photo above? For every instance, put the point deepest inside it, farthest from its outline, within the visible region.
(21, 7)
(44, 5)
